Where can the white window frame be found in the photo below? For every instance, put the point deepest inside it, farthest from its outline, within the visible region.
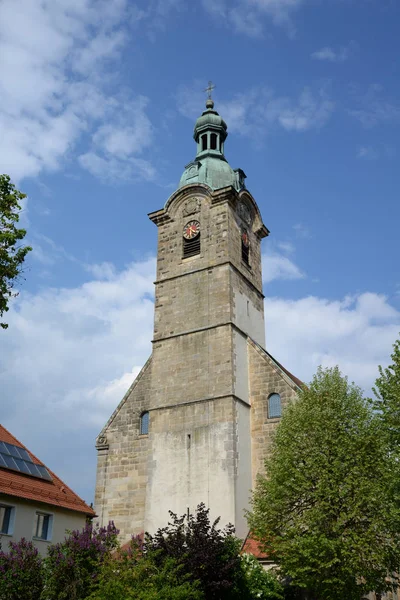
(12, 518)
(49, 529)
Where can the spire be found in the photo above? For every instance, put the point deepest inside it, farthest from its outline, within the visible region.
(210, 165)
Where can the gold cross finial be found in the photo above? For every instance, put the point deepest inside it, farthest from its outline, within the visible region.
(209, 89)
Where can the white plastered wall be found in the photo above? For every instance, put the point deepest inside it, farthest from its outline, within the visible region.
(186, 471)
(23, 517)
(249, 319)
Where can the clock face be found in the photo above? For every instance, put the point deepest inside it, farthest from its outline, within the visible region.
(245, 239)
(191, 230)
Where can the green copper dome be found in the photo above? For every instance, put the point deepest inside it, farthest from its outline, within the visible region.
(210, 165)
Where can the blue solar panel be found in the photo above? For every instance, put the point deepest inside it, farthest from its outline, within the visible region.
(17, 459)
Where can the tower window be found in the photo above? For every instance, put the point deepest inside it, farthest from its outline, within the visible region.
(191, 247)
(144, 423)
(213, 141)
(204, 142)
(274, 406)
(245, 247)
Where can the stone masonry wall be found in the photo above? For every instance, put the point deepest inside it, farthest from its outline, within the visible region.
(122, 461)
(265, 378)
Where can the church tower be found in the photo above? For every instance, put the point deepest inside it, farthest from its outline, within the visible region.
(195, 425)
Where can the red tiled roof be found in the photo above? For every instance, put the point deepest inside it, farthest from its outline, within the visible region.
(252, 546)
(53, 492)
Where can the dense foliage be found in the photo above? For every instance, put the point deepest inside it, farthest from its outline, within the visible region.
(129, 578)
(21, 573)
(387, 391)
(190, 559)
(72, 567)
(205, 552)
(261, 584)
(12, 255)
(325, 512)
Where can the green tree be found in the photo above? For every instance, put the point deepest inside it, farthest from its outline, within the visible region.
(324, 512)
(207, 554)
(12, 255)
(387, 392)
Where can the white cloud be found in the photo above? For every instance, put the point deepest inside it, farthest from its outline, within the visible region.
(373, 108)
(277, 266)
(67, 359)
(70, 354)
(336, 56)
(356, 333)
(116, 146)
(247, 16)
(55, 63)
(367, 153)
(260, 109)
(302, 231)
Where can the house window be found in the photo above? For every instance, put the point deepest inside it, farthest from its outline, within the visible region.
(204, 142)
(274, 406)
(43, 526)
(144, 423)
(6, 519)
(213, 141)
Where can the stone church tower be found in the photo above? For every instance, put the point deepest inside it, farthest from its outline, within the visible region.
(195, 425)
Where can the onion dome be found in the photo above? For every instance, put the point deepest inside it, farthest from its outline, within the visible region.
(210, 165)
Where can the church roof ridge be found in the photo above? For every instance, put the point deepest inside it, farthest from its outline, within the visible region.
(300, 384)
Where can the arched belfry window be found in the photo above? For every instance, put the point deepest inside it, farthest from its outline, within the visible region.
(204, 142)
(274, 406)
(144, 423)
(213, 141)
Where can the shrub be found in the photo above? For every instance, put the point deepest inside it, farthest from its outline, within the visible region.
(206, 553)
(72, 567)
(136, 577)
(21, 572)
(261, 584)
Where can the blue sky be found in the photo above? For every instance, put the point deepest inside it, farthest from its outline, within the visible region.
(97, 105)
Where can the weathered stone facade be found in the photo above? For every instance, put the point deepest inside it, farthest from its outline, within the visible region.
(207, 384)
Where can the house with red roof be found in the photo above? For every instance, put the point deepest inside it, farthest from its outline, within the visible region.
(34, 502)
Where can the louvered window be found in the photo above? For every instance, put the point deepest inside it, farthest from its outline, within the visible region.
(245, 247)
(191, 247)
(274, 406)
(144, 423)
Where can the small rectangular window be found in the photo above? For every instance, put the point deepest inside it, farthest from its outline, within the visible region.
(43, 526)
(5, 519)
